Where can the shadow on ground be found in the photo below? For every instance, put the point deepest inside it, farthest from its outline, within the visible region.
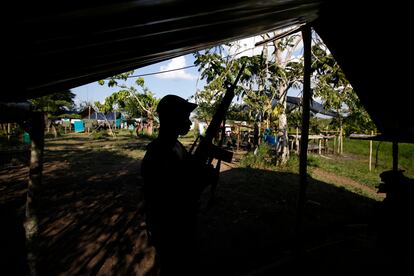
(251, 229)
(91, 221)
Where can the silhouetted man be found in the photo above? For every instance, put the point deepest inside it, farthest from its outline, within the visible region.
(172, 189)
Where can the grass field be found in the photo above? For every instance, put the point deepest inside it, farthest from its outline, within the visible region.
(354, 162)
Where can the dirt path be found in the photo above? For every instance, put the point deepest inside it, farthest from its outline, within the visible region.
(346, 182)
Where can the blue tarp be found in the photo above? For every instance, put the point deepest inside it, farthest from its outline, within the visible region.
(79, 126)
(269, 138)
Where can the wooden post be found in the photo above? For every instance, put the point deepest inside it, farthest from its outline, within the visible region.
(394, 155)
(340, 138)
(342, 141)
(334, 145)
(307, 36)
(8, 131)
(319, 146)
(297, 140)
(34, 185)
(238, 137)
(89, 117)
(370, 152)
(114, 119)
(339, 142)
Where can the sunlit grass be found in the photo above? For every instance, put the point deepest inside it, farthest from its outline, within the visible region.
(353, 163)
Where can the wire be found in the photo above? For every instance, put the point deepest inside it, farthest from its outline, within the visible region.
(161, 72)
(190, 66)
(182, 68)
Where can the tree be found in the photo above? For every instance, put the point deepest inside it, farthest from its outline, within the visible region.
(336, 92)
(218, 70)
(255, 95)
(286, 72)
(54, 105)
(264, 81)
(130, 100)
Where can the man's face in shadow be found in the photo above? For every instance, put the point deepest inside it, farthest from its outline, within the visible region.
(183, 124)
(178, 124)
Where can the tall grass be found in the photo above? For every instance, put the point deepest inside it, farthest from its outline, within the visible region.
(382, 154)
(354, 163)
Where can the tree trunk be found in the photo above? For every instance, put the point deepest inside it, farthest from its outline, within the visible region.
(283, 143)
(54, 130)
(34, 185)
(260, 133)
(262, 84)
(150, 127)
(47, 123)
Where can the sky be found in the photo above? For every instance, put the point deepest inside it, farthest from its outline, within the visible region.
(183, 82)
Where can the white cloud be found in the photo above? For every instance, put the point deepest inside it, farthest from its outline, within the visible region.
(175, 63)
(245, 47)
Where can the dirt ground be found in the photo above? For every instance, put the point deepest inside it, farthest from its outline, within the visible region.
(91, 220)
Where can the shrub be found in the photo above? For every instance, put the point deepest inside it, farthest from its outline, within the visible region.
(102, 134)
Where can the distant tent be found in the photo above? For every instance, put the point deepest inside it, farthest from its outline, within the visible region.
(294, 102)
(102, 117)
(315, 107)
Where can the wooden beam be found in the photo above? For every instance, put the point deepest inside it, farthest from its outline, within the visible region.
(303, 156)
(279, 36)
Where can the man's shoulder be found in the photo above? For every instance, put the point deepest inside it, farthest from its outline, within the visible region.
(158, 148)
(154, 147)
(158, 144)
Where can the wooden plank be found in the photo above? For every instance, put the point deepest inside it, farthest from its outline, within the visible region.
(385, 138)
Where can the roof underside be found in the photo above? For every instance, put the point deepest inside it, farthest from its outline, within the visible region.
(64, 45)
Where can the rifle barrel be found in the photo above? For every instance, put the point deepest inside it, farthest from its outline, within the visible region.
(202, 151)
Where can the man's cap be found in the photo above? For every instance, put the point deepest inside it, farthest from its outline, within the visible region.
(173, 104)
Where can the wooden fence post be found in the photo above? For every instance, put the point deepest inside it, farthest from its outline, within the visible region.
(370, 152)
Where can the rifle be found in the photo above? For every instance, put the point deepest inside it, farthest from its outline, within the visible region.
(206, 151)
